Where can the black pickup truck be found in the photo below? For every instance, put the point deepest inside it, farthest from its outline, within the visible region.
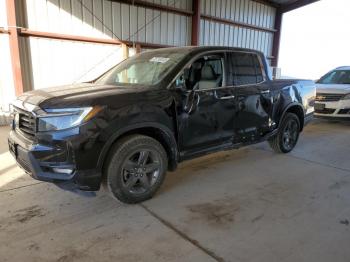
(126, 129)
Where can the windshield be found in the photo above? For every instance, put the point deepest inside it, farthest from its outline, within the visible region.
(340, 77)
(147, 68)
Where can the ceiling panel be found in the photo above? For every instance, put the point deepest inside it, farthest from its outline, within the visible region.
(287, 5)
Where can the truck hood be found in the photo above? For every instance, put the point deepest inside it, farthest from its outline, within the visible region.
(77, 95)
(332, 89)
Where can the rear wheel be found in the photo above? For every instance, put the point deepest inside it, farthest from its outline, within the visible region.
(136, 168)
(288, 134)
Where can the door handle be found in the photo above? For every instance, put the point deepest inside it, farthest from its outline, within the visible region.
(265, 91)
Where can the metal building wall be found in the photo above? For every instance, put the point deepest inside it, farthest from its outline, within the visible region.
(240, 11)
(56, 62)
(104, 18)
(49, 62)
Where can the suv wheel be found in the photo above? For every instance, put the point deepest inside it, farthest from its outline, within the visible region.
(136, 168)
(288, 134)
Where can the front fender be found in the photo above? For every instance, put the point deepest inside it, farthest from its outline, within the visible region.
(166, 132)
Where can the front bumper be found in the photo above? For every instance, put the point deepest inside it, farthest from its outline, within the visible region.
(333, 110)
(42, 162)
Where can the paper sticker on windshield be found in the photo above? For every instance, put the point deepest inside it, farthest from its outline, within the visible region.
(159, 59)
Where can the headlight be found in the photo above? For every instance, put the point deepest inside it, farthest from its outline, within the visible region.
(63, 118)
(346, 97)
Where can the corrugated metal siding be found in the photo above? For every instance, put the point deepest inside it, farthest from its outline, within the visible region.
(244, 11)
(106, 19)
(56, 62)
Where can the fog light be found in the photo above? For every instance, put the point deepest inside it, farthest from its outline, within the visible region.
(66, 171)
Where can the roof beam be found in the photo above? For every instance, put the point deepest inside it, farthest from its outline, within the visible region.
(267, 2)
(296, 5)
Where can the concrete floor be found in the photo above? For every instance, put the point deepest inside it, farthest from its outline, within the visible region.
(244, 205)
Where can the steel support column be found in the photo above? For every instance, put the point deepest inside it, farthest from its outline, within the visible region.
(138, 48)
(125, 51)
(276, 37)
(14, 46)
(196, 22)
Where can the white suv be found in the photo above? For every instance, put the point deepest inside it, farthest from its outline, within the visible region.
(333, 94)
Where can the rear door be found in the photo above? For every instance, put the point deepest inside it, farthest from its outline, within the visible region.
(252, 96)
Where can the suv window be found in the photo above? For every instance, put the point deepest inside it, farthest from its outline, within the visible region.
(206, 72)
(245, 69)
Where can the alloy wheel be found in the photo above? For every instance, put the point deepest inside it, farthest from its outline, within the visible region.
(290, 134)
(141, 171)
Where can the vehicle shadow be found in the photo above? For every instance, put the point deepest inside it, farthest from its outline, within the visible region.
(204, 166)
(213, 164)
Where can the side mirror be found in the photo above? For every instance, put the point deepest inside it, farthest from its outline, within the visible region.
(180, 82)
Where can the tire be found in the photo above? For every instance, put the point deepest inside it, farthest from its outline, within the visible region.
(283, 142)
(136, 168)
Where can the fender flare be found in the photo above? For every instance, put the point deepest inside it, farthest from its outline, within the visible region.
(286, 110)
(170, 139)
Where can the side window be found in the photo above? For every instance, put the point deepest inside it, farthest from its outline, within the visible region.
(206, 72)
(329, 78)
(258, 69)
(245, 69)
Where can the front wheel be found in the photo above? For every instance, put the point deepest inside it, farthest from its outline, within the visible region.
(136, 168)
(288, 134)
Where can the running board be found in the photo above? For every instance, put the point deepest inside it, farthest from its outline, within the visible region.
(223, 147)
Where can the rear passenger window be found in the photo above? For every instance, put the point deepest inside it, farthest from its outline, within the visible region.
(245, 69)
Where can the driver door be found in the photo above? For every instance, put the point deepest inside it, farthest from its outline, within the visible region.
(207, 111)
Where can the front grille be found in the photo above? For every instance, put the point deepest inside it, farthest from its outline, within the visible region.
(327, 111)
(25, 122)
(344, 111)
(321, 97)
